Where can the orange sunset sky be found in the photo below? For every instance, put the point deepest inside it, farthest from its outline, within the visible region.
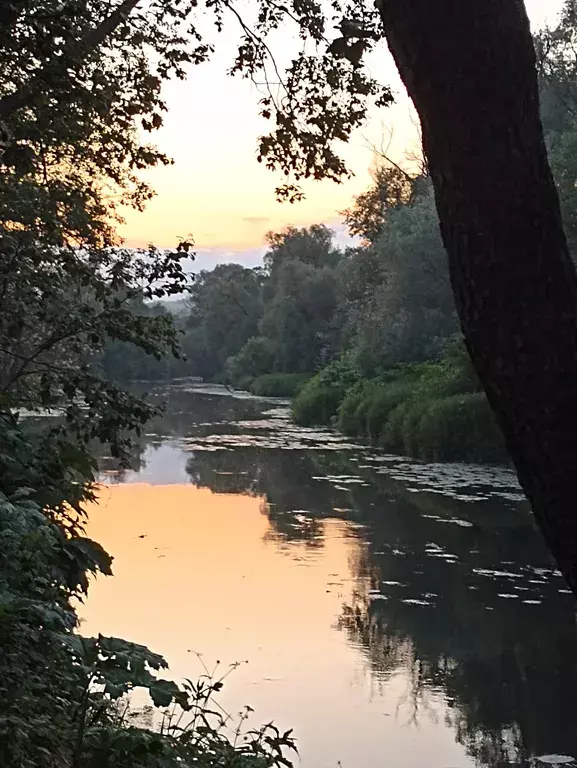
(216, 190)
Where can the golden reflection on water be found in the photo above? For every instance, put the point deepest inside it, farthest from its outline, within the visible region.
(198, 571)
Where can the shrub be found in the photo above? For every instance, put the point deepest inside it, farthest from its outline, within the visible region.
(365, 410)
(391, 436)
(452, 374)
(279, 384)
(459, 428)
(432, 410)
(316, 403)
(254, 359)
(245, 383)
(383, 401)
(348, 421)
(412, 415)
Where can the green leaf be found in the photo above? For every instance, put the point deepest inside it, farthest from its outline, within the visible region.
(163, 692)
(97, 557)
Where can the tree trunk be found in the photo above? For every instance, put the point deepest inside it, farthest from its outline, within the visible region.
(470, 69)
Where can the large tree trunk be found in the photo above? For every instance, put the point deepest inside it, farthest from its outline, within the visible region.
(470, 69)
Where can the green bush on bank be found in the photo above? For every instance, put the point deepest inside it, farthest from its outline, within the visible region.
(316, 404)
(459, 426)
(366, 411)
(279, 384)
(319, 399)
(433, 411)
(254, 359)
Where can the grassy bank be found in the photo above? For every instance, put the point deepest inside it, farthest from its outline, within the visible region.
(279, 384)
(433, 411)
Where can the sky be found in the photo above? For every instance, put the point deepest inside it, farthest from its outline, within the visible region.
(219, 194)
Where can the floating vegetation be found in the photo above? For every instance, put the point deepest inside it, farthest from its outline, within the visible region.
(453, 520)
(499, 574)
(415, 601)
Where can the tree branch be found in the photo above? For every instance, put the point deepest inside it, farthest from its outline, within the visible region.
(22, 97)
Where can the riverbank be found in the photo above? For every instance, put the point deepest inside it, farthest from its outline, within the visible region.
(435, 411)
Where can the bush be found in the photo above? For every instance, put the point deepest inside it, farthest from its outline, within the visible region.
(460, 428)
(279, 384)
(409, 427)
(391, 437)
(319, 400)
(433, 411)
(365, 410)
(383, 401)
(245, 383)
(348, 411)
(316, 403)
(452, 374)
(253, 360)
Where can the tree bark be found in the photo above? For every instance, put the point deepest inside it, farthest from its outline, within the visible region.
(470, 70)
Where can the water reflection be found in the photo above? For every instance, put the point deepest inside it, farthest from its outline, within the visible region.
(447, 591)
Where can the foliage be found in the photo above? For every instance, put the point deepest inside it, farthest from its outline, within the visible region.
(366, 410)
(391, 188)
(456, 426)
(312, 246)
(254, 359)
(316, 404)
(79, 83)
(62, 55)
(124, 362)
(57, 689)
(224, 311)
(298, 319)
(432, 410)
(318, 401)
(279, 384)
(396, 292)
(557, 67)
(244, 323)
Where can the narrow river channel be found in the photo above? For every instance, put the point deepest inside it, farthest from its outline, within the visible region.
(395, 614)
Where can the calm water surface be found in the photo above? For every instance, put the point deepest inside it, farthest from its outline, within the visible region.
(393, 613)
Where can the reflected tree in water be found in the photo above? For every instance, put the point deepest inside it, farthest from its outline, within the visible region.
(511, 681)
(459, 597)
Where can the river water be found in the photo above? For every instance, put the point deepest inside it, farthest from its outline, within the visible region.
(393, 613)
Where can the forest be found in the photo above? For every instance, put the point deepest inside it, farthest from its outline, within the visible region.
(367, 338)
(364, 338)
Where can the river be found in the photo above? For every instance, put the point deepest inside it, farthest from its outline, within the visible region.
(393, 613)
